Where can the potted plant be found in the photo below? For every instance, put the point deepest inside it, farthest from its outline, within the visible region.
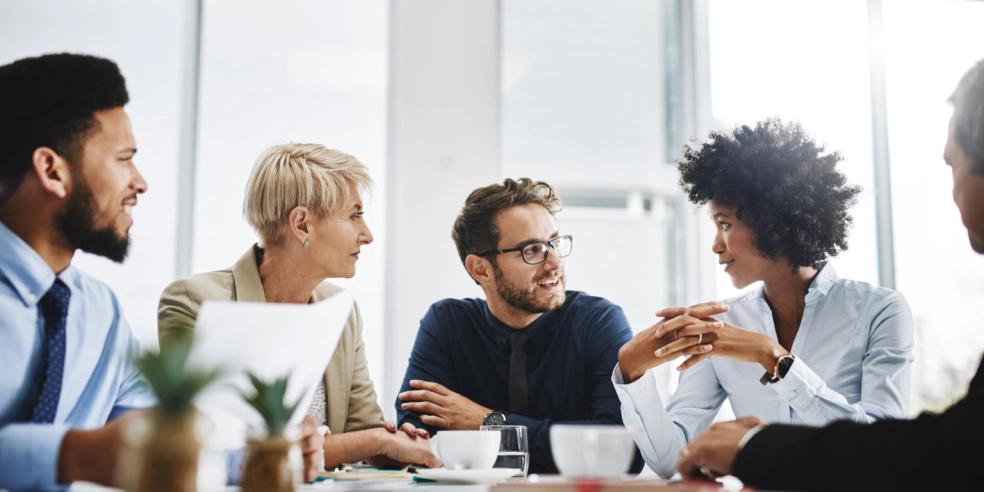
(169, 448)
(267, 465)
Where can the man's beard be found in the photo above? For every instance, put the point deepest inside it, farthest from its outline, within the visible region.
(76, 224)
(526, 299)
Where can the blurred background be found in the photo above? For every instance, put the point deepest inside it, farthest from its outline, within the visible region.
(439, 97)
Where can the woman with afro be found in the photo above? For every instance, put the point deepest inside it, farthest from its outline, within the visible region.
(807, 347)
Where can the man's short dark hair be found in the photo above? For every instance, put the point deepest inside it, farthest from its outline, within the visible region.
(783, 185)
(475, 231)
(50, 101)
(968, 115)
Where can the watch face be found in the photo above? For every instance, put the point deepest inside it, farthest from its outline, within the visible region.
(495, 418)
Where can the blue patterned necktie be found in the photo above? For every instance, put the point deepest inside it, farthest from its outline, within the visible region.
(54, 307)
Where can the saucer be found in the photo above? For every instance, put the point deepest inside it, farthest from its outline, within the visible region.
(488, 475)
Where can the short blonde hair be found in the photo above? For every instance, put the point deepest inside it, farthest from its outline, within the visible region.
(291, 175)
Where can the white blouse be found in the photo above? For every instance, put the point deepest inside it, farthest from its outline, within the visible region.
(853, 354)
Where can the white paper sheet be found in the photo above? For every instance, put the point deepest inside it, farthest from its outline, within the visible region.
(270, 340)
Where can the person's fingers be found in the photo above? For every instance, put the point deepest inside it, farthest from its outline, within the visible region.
(390, 426)
(311, 464)
(709, 309)
(311, 443)
(309, 425)
(423, 433)
(671, 312)
(431, 461)
(434, 421)
(427, 385)
(686, 465)
(677, 345)
(420, 395)
(424, 407)
(750, 421)
(675, 324)
(704, 352)
(701, 328)
(409, 429)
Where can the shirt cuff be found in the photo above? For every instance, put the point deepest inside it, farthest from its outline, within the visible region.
(749, 435)
(29, 456)
(799, 386)
(642, 392)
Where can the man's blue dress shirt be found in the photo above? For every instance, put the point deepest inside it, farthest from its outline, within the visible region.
(570, 358)
(99, 382)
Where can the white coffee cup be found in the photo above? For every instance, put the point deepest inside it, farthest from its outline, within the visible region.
(466, 450)
(592, 450)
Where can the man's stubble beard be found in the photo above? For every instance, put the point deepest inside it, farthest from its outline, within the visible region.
(77, 226)
(526, 300)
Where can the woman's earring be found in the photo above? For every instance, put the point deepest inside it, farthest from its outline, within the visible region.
(305, 243)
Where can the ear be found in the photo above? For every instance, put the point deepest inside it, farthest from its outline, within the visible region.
(480, 269)
(300, 223)
(52, 171)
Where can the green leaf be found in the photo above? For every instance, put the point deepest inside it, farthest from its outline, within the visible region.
(167, 375)
(268, 401)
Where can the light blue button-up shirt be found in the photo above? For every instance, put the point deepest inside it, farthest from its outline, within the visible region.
(853, 351)
(99, 381)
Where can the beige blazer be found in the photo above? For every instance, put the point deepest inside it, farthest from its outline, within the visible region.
(352, 402)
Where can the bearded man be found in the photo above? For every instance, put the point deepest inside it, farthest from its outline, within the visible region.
(68, 182)
(531, 353)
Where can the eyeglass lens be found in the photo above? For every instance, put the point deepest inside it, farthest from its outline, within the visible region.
(537, 252)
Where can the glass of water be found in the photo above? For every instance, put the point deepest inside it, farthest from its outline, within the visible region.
(514, 448)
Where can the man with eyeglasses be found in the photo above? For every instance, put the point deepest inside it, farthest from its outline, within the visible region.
(531, 353)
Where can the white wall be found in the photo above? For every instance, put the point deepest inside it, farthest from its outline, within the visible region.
(443, 131)
(141, 38)
(306, 71)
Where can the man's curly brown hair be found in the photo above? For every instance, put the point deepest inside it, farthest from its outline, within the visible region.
(783, 186)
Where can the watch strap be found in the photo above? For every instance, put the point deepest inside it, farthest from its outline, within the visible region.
(782, 368)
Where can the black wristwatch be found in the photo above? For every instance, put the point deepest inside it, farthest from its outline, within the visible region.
(495, 417)
(782, 367)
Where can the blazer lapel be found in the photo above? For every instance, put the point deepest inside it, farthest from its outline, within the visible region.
(246, 278)
(338, 375)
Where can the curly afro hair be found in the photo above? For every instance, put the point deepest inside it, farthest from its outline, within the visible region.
(781, 183)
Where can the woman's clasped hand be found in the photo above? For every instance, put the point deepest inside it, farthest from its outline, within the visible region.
(694, 331)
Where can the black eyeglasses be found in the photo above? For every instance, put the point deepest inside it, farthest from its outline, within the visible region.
(536, 253)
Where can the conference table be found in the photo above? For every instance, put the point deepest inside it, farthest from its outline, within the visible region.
(533, 484)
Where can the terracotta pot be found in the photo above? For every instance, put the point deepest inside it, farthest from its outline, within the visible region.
(169, 454)
(267, 466)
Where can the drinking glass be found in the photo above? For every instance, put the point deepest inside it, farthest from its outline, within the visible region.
(514, 448)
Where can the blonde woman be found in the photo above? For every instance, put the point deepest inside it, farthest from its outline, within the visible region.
(305, 203)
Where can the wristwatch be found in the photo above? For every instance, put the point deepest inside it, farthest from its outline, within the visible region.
(495, 417)
(782, 367)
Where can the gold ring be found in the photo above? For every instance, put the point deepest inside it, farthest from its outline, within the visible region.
(676, 335)
(706, 472)
(700, 338)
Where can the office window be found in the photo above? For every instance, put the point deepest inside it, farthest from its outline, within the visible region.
(777, 58)
(582, 108)
(305, 71)
(941, 277)
(140, 38)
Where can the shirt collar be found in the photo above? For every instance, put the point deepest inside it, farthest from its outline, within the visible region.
(501, 331)
(23, 267)
(825, 279)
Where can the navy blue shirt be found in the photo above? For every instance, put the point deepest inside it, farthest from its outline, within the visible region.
(570, 358)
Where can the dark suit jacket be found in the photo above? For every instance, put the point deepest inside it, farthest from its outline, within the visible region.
(931, 452)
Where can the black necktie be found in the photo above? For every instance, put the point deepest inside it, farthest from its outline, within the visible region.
(518, 390)
(43, 403)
